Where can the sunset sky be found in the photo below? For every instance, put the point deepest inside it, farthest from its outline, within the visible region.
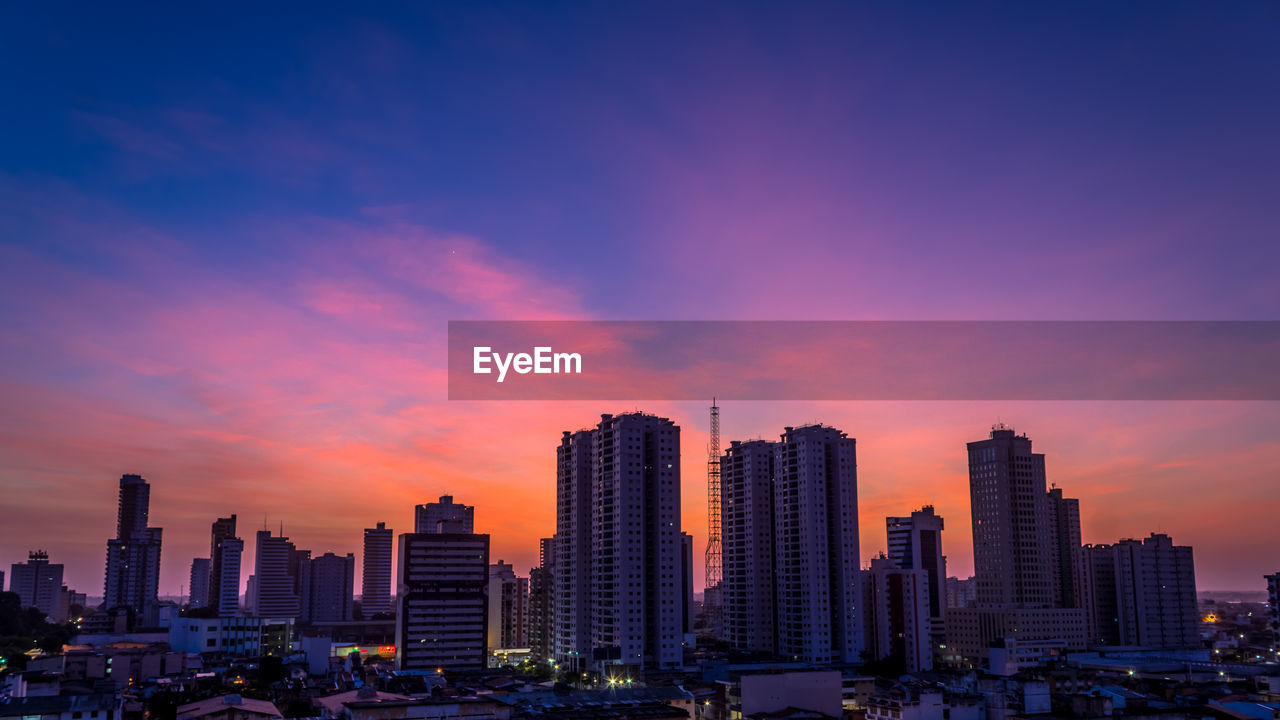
(230, 244)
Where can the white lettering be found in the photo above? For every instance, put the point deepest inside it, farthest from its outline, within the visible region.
(543, 361)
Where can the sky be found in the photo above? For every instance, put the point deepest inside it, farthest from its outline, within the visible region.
(231, 239)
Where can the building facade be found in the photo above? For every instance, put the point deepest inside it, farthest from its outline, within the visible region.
(375, 587)
(444, 516)
(746, 507)
(330, 588)
(442, 618)
(38, 584)
(915, 543)
(133, 555)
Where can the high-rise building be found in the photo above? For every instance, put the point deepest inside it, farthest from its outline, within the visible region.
(619, 567)
(442, 619)
(1064, 515)
(508, 608)
(1098, 593)
(133, 556)
(899, 615)
(542, 602)
(686, 583)
(375, 588)
(915, 543)
(277, 577)
(445, 516)
(224, 528)
(746, 508)
(1016, 554)
(227, 591)
(330, 588)
(1156, 593)
(37, 583)
(961, 592)
(1273, 604)
(816, 566)
(198, 590)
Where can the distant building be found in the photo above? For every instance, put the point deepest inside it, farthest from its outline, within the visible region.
(443, 609)
(225, 552)
(746, 507)
(277, 577)
(1016, 553)
(542, 602)
(816, 557)
(1273, 604)
(915, 543)
(225, 576)
(231, 637)
(375, 588)
(1064, 515)
(898, 615)
(133, 555)
(961, 592)
(445, 516)
(508, 608)
(1098, 593)
(619, 554)
(38, 584)
(1156, 593)
(198, 589)
(330, 588)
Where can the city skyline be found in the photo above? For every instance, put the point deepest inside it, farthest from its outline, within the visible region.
(233, 272)
(958, 547)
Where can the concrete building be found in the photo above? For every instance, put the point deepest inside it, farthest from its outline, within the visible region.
(227, 591)
(898, 615)
(1016, 552)
(133, 555)
(1156, 593)
(230, 636)
(816, 556)
(1273, 604)
(542, 602)
(1064, 515)
(1098, 594)
(746, 506)
(508, 608)
(961, 592)
(442, 619)
(229, 707)
(445, 516)
(277, 577)
(618, 533)
(198, 589)
(814, 694)
(38, 584)
(225, 551)
(375, 587)
(915, 543)
(329, 593)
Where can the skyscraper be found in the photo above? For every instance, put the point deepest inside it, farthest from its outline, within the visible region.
(746, 507)
(1016, 553)
(227, 590)
(898, 615)
(915, 543)
(1156, 593)
(198, 590)
(330, 588)
(618, 529)
(508, 608)
(1064, 516)
(37, 583)
(542, 602)
(224, 528)
(819, 591)
(444, 516)
(1098, 593)
(133, 556)
(277, 577)
(375, 588)
(442, 617)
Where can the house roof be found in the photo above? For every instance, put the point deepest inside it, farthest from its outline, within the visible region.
(219, 704)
